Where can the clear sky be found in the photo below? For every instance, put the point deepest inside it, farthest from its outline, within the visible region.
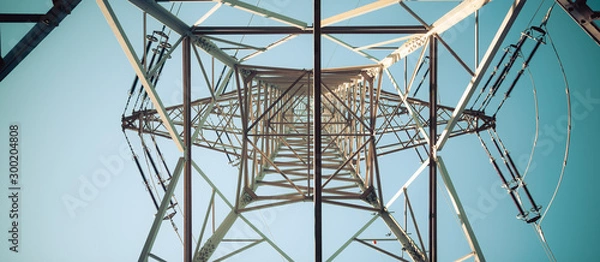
(68, 95)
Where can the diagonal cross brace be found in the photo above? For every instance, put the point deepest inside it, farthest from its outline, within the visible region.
(115, 25)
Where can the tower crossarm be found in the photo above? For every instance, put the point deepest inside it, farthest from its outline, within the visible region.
(278, 105)
(398, 131)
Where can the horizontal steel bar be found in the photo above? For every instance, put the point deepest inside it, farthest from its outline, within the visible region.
(304, 134)
(156, 257)
(409, 29)
(380, 249)
(20, 18)
(267, 30)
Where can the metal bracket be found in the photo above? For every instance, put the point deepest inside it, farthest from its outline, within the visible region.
(584, 16)
(44, 24)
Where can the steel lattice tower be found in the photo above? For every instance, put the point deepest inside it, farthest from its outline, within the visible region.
(308, 135)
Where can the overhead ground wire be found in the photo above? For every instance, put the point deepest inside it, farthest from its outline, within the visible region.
(537, 226)
(537, 124)
(540, 234)
(569, 120)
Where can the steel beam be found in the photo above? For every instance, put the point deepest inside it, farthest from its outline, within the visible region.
(503, 30)
(273, 30)
(358, 11)
(208, 14)
(264, 12)
(251, 9)
(43, 27)
(408, 244)
(407, 29)
(115, 25)
(404, 95)
(380, 250)
(433, 256)
(21, 18)
(351, 48)
(318, 205)
(173, 22)
(584, 16)
(347, 243)
(187, 139)
(237, 251)
(212, 103)
(212, 243)
(248, 30)
(158, 218)
(460, 212)
(457, 14)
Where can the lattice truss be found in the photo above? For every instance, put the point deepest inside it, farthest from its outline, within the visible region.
(261, 118)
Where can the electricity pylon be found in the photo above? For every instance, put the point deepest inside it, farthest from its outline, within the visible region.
(303, 135)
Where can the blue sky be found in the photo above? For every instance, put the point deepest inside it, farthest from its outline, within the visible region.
(69, 93)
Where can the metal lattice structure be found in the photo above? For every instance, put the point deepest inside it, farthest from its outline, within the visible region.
(311, 135)
(43, 24)
(275, 141)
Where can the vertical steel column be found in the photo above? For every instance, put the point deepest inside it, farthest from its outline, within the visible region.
(317, 129)
(432, 149)
(477, 39)
(187, 135)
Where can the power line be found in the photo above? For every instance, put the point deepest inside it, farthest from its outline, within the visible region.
(568, 139)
